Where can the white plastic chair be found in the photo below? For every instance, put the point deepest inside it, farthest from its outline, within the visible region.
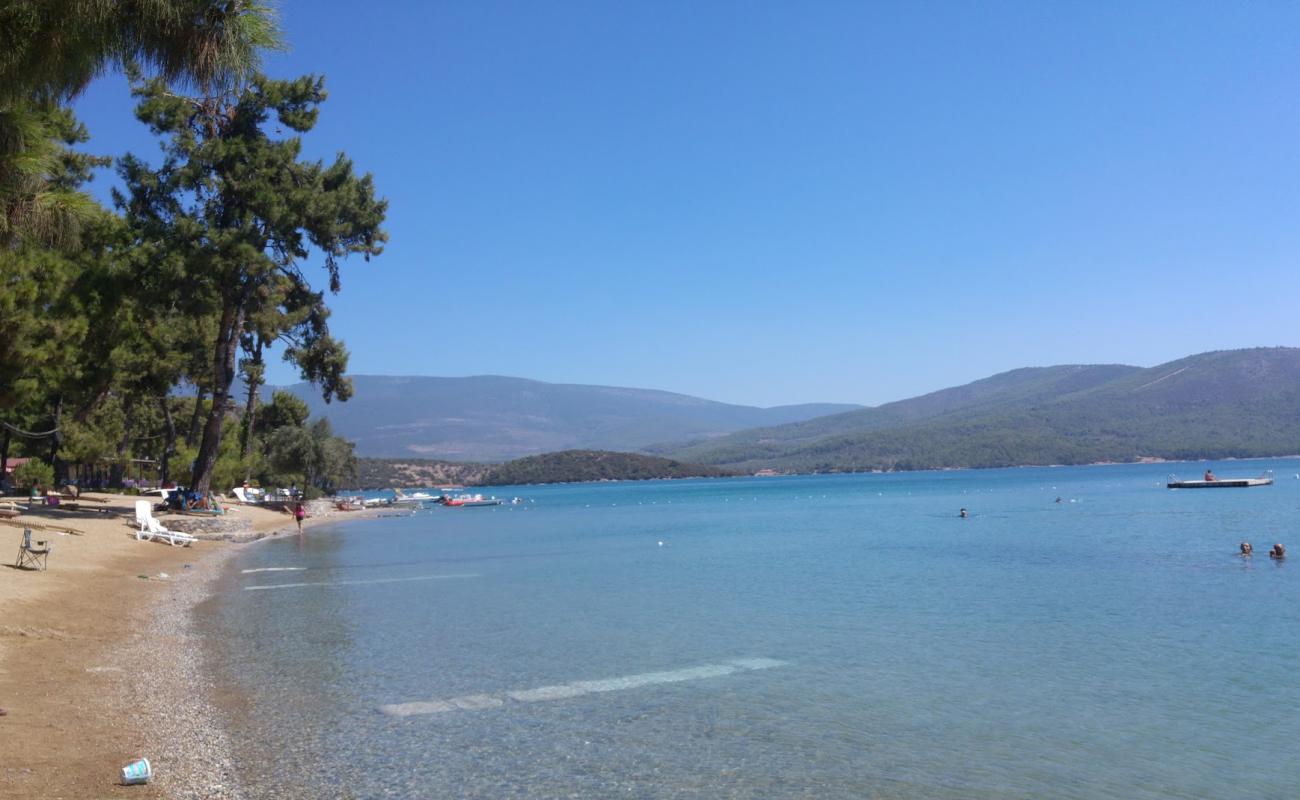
(152, 529)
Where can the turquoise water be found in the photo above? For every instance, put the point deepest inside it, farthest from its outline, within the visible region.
(811, 637)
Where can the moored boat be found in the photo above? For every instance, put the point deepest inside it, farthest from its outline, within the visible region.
(401, 498)
(472, 501)
(1221, 483)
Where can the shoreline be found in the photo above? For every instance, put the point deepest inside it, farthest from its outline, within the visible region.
(193, 755)
(1145, 460)
(101, 663)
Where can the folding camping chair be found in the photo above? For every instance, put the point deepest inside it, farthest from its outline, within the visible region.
(32, 554)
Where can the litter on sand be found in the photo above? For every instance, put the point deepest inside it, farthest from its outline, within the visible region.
(138, 771)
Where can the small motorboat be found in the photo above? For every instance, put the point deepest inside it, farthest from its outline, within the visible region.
(472, 501)
(401, 498)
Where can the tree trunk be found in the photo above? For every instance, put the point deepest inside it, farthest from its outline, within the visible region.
(223, 375)
(169, 446)
(121, 466)
(196, 418)
(250, 405)
(56, 440)
(4, 456)
(84, 412)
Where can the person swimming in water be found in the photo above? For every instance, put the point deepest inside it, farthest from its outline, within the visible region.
(963, 514)
(1278, 551)
(1246, 550)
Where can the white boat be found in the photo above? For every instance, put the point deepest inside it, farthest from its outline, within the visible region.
(472, 501)
(1221, 483)
(401, 498)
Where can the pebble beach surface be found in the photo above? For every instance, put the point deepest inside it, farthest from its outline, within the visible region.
(174, 695)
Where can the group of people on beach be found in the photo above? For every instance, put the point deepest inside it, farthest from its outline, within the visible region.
(1278, 551)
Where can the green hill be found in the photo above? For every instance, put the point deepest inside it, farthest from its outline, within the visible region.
(1242, 403)
(572, 466)
(387, 473)
(1007, 391)
(569, 466)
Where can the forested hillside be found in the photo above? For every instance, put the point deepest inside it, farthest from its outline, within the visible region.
(388, 473)
(1243, 403)
(1012, 390)
(593, 465)
(569, 466)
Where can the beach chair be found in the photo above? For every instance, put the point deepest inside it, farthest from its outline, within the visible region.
(32, 554)
(152, 529)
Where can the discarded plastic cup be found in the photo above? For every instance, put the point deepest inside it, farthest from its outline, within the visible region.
(137, 771)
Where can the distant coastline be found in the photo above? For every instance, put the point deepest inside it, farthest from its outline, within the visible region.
(566, 466)
(688, 473)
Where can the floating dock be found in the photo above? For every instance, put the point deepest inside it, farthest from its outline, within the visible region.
(1221, 483)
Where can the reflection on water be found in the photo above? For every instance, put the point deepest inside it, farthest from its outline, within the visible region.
(1111, 645)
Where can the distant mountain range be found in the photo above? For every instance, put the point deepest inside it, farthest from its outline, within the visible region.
(1239, 403)
(493, 418)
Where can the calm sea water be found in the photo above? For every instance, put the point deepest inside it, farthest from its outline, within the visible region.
(810, 637)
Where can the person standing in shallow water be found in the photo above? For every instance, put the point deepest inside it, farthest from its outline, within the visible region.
(298, 513)
(1278, 551)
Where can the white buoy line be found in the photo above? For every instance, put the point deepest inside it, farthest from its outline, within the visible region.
(360, 582)
(477, 702)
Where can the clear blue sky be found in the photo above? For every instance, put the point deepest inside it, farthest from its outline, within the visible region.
(788, 202)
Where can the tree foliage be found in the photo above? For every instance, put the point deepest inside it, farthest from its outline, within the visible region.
(235, 211)
(53, 48)
(310, 456)
(34, 473)
(104, 317)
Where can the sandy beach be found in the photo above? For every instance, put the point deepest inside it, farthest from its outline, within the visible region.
(99, 665)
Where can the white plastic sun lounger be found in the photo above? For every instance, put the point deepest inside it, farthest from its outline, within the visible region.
(152, 529)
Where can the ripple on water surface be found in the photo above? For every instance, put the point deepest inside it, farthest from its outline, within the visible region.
(835, 636)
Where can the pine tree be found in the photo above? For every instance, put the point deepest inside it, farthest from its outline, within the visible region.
(236, 212)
